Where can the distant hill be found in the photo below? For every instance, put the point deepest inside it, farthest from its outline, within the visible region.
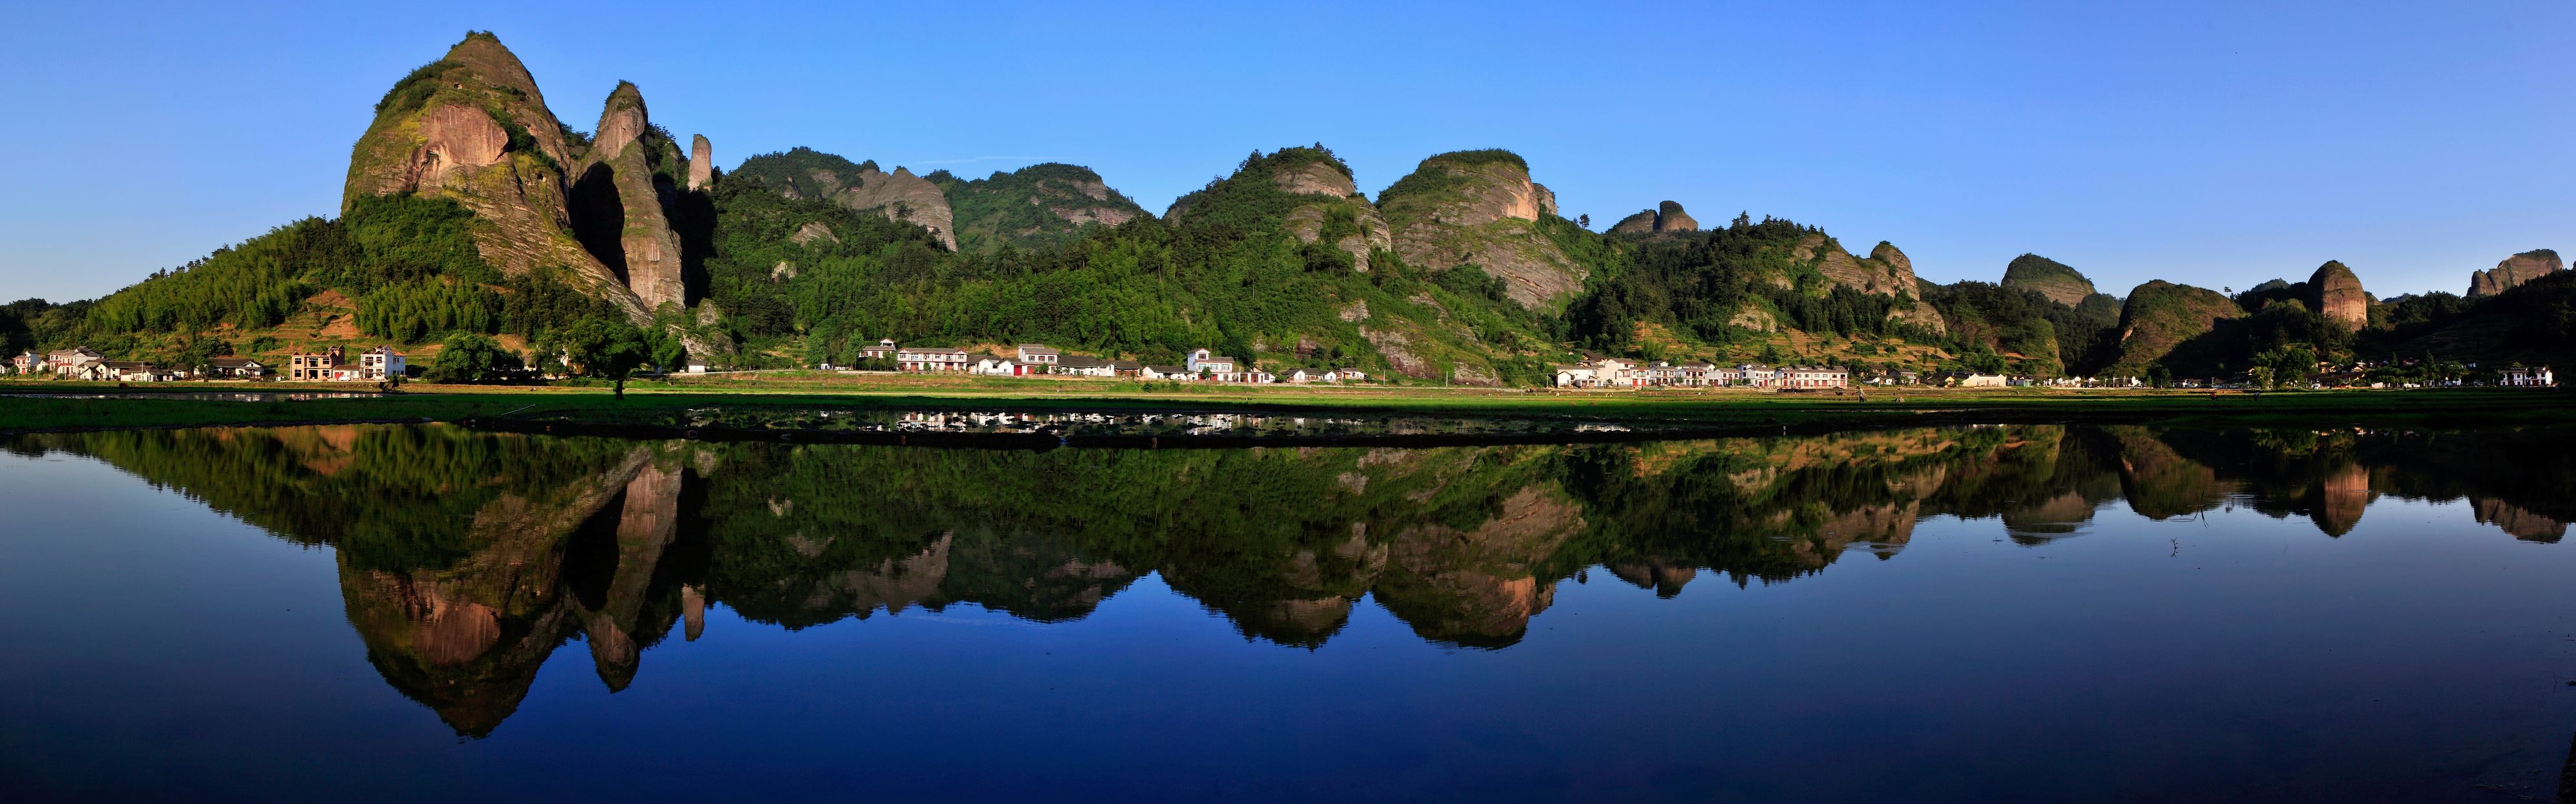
(1038, 206)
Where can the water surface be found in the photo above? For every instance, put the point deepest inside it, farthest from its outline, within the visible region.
(2026, 613)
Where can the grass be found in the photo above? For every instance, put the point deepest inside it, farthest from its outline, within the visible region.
(662, 403)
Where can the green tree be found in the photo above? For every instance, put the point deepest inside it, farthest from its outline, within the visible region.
(606, 348)
(471, 357)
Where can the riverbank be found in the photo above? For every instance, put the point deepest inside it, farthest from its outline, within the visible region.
(724, 410)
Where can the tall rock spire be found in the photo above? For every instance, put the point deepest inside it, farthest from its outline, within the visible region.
(619, 197)
(702, 162)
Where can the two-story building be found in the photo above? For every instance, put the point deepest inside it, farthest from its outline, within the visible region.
(932, 358)
(78, 362)
(883, 349)
(1214, 366)
(381, 363)
(315, 366)
(1040, 358)
(1814, 377)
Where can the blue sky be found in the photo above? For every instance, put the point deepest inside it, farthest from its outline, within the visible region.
(2217, 144)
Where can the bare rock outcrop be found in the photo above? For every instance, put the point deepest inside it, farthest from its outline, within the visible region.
(702, 162)
(2058, 281)
(812, 231)
(2336, 294)
(1669, 217)
(1886, 272)
(904, 197)
(446, 131)
(1481, 208)
(619, 210)
(1307, 223)
(1665, 217)
(2514, 271)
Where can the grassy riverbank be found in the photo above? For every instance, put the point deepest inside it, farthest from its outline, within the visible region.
(50, 406)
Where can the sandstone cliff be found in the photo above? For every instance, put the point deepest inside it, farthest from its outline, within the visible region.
(1481, 208)
(2514, 271)
(2334, 292)
(621, 197)
(1665, 217)
(472, 127)
(2056, 280)
(2162, 317)
(702, 162)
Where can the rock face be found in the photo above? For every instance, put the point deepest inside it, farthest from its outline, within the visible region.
(1306, 192)
(1887, 272)
(1665, 217)
(1034, 207)
(1480, 208)
(2514, 271)
(473, 128)
(901, 196)
(622, 199)
(1669, 217)
(702, 162)
(2056, 280)
(2336, 293)
(2160, 317)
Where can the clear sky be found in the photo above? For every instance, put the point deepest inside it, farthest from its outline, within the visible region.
(2217, 144)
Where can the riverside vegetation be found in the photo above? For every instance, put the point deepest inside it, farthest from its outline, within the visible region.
(483, 233)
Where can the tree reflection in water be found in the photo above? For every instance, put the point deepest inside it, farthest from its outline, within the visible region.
(467, 558)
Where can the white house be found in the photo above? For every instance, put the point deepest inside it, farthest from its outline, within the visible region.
(1040, 356)
(1218, 367)
(1814, 377)
(998, 366)
(1085, 366)
(883, 349)
(380, 363)
(932, 358)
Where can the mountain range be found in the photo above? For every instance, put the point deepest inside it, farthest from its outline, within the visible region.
(471, 207)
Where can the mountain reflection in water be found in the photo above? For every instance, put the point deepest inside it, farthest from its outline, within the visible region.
(466, 558)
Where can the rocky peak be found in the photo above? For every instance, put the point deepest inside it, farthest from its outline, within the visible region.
(2514, 271)
(1316, 178)
(621, 120)
(1669, 217)
(2336, 293)
(702, 162)
(903, 197)
(2056, 280)
(1665, 217)
(1481, 208)
(617, 210)
(472, 128)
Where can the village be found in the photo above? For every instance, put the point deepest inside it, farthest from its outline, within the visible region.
(381, 364)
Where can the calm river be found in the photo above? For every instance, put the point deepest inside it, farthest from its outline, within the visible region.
(2023, 613)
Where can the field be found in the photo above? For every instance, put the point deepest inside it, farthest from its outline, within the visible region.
(27, 406)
